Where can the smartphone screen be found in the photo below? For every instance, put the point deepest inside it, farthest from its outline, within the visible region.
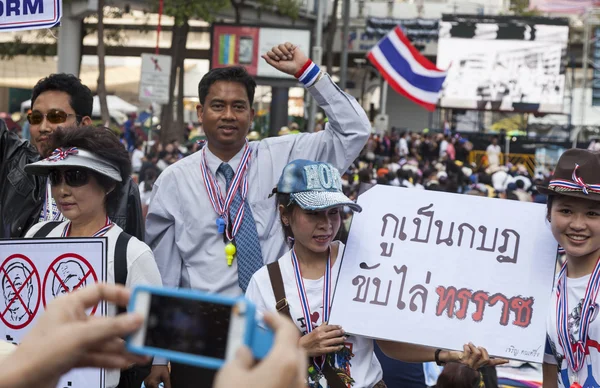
(188, 326)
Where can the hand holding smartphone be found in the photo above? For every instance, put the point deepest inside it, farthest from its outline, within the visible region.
(195, 328)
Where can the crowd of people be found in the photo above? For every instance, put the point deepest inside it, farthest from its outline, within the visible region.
(225, 215)
(440, 162)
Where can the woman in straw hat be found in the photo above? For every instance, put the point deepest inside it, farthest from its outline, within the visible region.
(85, 172)
(310, 201)
(572, 358)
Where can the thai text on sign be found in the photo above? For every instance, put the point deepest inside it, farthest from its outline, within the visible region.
(443, 269)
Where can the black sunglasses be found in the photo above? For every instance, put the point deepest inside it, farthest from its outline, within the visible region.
(73, 177)
(54, 116)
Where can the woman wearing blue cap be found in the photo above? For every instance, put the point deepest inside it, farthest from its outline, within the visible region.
(310, 198)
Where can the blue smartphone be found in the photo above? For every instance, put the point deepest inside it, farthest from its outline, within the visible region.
(195, 328)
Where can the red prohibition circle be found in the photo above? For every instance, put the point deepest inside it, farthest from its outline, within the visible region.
(52, 270)
(34, 271)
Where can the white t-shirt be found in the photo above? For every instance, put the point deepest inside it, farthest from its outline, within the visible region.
(136, 160)
(403, 147)
(493, 154)
(589, 375)
(393, 167)
(144, 195)
(141, 269)
(443, 147)
(363, 367)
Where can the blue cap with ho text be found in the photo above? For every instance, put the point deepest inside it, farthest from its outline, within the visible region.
(314, 185)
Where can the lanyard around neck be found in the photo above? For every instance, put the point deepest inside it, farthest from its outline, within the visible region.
(222, 205)
(101, 232)
(575, 352)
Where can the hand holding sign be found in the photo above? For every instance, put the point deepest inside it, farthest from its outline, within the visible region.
(472, 356)
(65, 337)
(286, 57)
(476, 357)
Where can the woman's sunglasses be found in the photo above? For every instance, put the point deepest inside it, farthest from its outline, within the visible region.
(54, 116)
(73, 177)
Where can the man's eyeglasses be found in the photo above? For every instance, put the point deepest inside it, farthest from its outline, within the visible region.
(54, 116)
(72, 177)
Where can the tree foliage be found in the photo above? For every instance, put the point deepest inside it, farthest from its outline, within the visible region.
(184, 10)
(521, 8)
(20, 45)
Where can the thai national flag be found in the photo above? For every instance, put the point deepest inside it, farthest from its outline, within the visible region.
(406, 70)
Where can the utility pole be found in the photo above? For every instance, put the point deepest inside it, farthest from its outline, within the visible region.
(591, 20)
(317, 57)
(572, 66)
(345, 36)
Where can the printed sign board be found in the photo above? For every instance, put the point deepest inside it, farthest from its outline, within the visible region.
(154, 82)
(18, 15)
(443, 270)
(34, 272)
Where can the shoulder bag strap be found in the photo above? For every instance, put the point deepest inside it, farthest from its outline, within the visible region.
(281, 304)
(45, 230)
(120, 262)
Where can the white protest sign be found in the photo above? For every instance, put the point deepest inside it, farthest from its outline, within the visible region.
(34, 272)
(443, 269)
(154, 82)
(17, 15)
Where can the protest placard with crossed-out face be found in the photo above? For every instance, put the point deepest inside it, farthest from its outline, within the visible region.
(34, 272)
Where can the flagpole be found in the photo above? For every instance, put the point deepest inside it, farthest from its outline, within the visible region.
(383, 98)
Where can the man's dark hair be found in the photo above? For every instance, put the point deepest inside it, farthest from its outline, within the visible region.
(81, 99)
(520, 184)
(103, 143)
(231, 74)
(457, 375)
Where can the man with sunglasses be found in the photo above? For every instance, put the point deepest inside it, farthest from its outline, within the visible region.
(60, 100)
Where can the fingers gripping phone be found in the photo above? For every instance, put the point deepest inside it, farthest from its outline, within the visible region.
(195, 328)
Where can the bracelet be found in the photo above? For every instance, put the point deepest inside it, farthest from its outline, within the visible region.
(437, 358)
(309, 74)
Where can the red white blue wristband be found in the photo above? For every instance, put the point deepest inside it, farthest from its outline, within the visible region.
(309, 73)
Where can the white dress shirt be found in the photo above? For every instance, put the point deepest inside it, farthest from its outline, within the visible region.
(181, 223)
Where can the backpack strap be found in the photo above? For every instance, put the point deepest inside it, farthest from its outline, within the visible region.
(45, 230)
(282, 306)
(120, 262)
